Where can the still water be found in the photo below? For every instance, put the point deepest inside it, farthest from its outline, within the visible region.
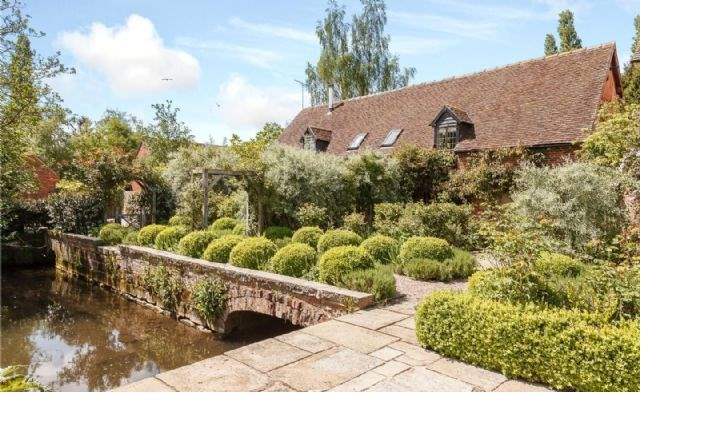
(75, 336)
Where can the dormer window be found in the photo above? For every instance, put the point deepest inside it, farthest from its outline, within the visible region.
(447, 134)
(447, 125)
(316, 139)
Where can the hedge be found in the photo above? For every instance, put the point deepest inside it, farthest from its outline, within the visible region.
(253, 253)
(219, 250)
(383, 249)
(274, 233)
(195, 243)
(565, 349)
(147, 234)
(339, 261)
(181, 221)
(295, 259)
(460, 266)
(168, 238)
(338, 238)
(131, 238)
(223, 223)
(425, 248)
(112, 233)
(378, 281)
(308, 235)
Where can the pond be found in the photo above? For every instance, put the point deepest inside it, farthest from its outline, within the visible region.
(75, 336)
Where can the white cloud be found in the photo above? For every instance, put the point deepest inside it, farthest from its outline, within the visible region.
(253, 56)
(474, 29)
(132, 57)
(274, 30)
(246, 107)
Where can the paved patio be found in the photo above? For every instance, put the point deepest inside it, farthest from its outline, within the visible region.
(368, 350)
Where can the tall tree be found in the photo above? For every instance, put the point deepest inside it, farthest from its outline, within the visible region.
(549, 46)
(567, 32)
(631, 80)
(167, 134)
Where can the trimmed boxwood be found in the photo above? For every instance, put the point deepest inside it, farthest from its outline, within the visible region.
(223, 223)
(383, 249)
(112, 233)
(168, 238)
(308, 235)
(425, 248)
(131, 238)
(338, 261)
(565, 349)
(274, 233)
(558, 264)
(253, 253)
(194, 244)
(181, 221)
(295, 259)
(459, 266)
(147, 234)
(219, 250)
(338, 238)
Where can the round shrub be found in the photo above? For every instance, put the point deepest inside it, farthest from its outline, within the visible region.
(147, 235)
(295, 259)
(112, 233)
(168, 238)
(239, 229)
(181, 221)
(383, 249)
(195, 243)
(337, 238)
(308, 235)
(425, 248)
(210, 297)
(378, 281)
(423, 269)
(224, 223)
(274, 233)
(219, 250)
(253, 253)
(460, 266)
(131, 238)
(557, 264)
(338, 261)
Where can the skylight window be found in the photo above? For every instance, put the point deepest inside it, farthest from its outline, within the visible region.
(391, 137)
(355, 144)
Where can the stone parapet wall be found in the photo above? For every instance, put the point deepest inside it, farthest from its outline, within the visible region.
(123, 268)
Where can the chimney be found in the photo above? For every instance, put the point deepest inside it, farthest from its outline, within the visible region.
(331, 98)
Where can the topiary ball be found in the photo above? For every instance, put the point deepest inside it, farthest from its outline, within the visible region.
(294, 259)
(147, 235)
(337, 238)
(252, 253)
(168, 238)
(181, 221)
(308, 235)
(131, 238)
(239, 229)
(195, 243)
(112, 233)
(338, 261)
(224, 223)
(383, 249)
(425, 248)
(219, 250)
(274, 233)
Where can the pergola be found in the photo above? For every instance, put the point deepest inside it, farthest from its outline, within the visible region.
(209, 178)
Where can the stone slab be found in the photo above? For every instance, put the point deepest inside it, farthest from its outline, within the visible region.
(386, 353)
(479, 377)
(145, 385)
(305, 341)
(372, 319)
(353, 337)
(409, 323)
(277, 387)
(414, 355)
(519, 386)
(267, 354)
(421, 379)
(325, 370)
(390, 369)
(405, 334)
(360, 383)
(219, 373)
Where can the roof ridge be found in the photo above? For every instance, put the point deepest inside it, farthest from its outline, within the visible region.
(475, 73)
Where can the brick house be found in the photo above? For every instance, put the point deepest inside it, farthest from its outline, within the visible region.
(547, 104)
(45, 178)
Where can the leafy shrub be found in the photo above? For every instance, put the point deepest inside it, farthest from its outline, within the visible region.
(253, 253)
(356, 223)
(558, 264)
(383, 249)
(14, 378)
(164, 285)
(426, 248)
(378, 281)
(239, 229)
(423, 170)
(295, 259)
(131, 238)
(274, 233)
(180, 221)
(223, 223)
(337, 238)
(210, 297)
(338, 261)
(75, 212)
(308, 235)
(459, 266)
(565, 349)
(168, 238)
(423, 269)
(112, 233)
(194, 244)
(309, 215)
(219, 250)
(147, 234)
(282, 242)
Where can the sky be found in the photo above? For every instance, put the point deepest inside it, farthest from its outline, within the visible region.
(231, 65)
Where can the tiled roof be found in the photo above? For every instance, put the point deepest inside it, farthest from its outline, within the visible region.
(321, 134)
(545, 101)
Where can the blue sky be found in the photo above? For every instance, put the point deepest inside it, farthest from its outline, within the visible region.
(233, 63)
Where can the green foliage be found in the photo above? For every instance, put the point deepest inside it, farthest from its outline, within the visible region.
(423, 170)
(376, 178)
(294, 259)
(253, 253)
(308, 235)
(147, 234)
(557, 264)
(77, 213)
(274, 233)
(616, 139)
(282, 242)
(568, 37)
(169, 238)
(425, 248)
(631, 79)
(180, 221)
(210, 297)
(337, 238)
(112, 233)
(383, 249)
(164, 285)
(423, 269)
(562, 348)
(142, 202)
(459, 266)
(223, 223)
(13, 378)
(309, 215)
(219, 250)
(378, 281)
(549, 45)
(131, 238)
(356, 223)
(338, 261)
(167, 134)
(194, 244)
(239, 229)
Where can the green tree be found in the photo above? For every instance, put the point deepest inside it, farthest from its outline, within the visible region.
(616, 139)
(549, 46)
(423, 170)
(569, 39)
(167, 134)
(631, 80)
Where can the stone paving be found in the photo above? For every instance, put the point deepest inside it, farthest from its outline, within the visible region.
(368, 350)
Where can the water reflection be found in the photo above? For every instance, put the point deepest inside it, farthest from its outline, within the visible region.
(75, 336)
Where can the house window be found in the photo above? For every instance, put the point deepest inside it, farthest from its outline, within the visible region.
(355, 144)
(447, 134)
(391, 137)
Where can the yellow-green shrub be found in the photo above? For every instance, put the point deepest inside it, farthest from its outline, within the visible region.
(566, 349)
(131, 238)
(383, 249)
(112, 233)
(295, 259)
(550, 263)
(378, 281)
(147, 234)
(194, 244)
(338, 261)
(419, 247)
(308, 235)
(274, 233)
(253, 253)
(239, 229)
(223, 223)
(337, 238)
(219, 250)
(181, 221)
(168, 238)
